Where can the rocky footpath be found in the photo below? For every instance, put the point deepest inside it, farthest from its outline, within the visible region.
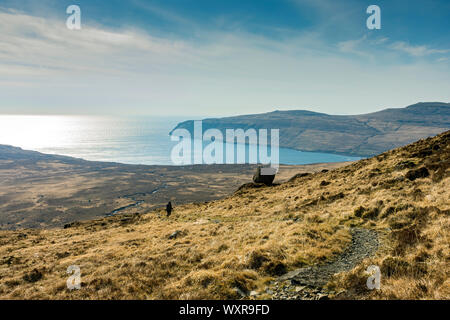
(308, 283)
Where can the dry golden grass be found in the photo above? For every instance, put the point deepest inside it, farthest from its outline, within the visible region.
(254, 235)
(218, 249)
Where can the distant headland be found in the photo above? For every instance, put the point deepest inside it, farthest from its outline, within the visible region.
(356, 135)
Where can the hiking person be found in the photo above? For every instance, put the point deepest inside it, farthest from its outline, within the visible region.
(169, 209)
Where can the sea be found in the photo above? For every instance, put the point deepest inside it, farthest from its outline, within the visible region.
(129, 140)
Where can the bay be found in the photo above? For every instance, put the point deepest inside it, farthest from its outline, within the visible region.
(130, 140)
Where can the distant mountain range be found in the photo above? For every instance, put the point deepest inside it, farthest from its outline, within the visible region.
(359, 135)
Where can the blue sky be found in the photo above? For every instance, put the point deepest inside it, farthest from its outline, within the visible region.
(214, 58)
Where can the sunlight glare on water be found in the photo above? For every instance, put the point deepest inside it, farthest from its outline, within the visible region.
(38, 132)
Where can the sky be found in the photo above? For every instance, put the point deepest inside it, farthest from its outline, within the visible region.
(221, 57)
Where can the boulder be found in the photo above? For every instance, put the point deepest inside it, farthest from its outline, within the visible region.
(175, 234)
(266, 179)
(419, 173)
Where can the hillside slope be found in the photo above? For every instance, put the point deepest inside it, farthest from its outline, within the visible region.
(360, 135)
(229, 247)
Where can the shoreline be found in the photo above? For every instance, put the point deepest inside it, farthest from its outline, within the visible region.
(183, 165)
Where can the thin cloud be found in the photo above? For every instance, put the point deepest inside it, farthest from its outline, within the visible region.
(101, 70)
(379, 41)
(47, 44)
(416, 51)
(354, 47)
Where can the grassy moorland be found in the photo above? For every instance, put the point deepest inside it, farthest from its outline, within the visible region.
(46, 191)
(242, 243)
